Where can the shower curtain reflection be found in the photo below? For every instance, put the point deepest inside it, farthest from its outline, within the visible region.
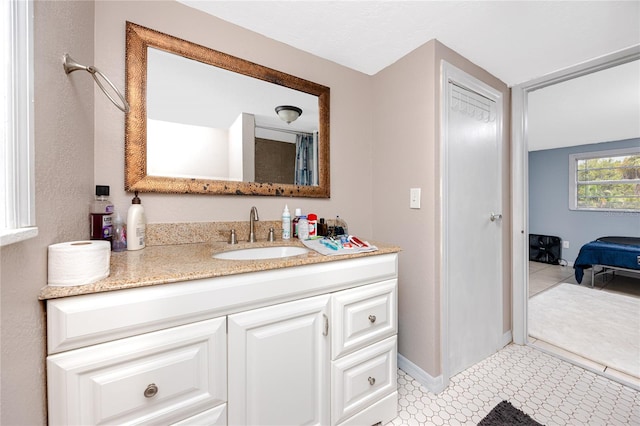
(306, 159)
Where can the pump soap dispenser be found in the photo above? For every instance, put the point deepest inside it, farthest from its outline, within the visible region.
(286, 223)
(136, 225)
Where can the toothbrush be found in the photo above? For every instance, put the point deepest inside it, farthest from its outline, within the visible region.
(328, 243)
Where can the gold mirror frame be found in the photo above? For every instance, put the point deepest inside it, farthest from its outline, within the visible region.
(138, 39)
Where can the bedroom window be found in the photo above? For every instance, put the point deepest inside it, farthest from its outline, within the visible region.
(17, 190)
(605, 180)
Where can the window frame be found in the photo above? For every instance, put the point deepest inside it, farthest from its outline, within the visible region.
(17, 183)
(573, 176)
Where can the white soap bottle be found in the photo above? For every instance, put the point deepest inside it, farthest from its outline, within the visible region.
(286, 223)
(136, 225)
(303, 228)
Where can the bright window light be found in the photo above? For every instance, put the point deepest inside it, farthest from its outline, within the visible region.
(17, 189)
(606, 180)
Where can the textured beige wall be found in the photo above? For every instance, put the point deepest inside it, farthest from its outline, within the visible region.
(351, 172)
(406, 155)
(64, 181)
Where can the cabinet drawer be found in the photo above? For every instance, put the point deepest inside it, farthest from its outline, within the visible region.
(378, 414)
(215, 417)
(362, 316)
(362, 378)
(159, 377)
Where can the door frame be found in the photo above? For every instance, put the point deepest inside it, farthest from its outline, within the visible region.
(520, 176)
(449, 73)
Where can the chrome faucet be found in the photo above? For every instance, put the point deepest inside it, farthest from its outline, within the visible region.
(253, 216)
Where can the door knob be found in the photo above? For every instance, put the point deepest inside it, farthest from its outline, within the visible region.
(495, 216)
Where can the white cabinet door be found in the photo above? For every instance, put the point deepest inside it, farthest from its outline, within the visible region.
(279, 364)
(155, 378)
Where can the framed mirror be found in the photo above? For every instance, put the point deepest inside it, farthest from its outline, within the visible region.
(205, 122)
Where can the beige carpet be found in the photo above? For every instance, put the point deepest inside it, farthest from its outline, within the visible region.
(601, 326)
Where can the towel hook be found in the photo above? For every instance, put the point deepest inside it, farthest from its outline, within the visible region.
(71, 65)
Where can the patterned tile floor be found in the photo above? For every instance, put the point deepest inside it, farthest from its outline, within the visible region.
(552, 391)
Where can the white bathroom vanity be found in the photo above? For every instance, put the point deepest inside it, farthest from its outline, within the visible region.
(313, 343)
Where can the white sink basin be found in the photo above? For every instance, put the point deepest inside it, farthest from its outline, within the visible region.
(261, 253)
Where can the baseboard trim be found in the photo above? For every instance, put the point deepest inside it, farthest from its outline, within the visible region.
(436, 384)
(433, 384)
(506, 339)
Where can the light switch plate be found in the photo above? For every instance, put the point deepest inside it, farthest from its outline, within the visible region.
(414, 198)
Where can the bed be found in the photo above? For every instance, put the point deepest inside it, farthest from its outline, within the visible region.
(610, 254)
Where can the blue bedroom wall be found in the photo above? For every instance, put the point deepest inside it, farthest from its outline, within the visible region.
(549, 212)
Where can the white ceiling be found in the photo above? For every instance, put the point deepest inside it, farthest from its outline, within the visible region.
(196, 100)
(598, 107)
(514, 40)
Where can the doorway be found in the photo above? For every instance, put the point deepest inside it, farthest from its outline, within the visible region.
(471, 151)
(520, 172)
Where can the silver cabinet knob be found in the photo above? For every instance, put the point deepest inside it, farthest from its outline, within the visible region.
(372, 381)
(372, 318)
(495, 216)
(151, 391)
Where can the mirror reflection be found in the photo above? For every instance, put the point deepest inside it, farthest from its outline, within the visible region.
(221, 125)
(202, 121)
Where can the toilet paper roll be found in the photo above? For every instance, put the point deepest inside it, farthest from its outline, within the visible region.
(78, 262)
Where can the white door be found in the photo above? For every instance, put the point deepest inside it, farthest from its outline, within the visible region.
(472, 240)
(279, 364)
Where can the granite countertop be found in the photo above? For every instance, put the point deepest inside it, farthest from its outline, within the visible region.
(171, 263)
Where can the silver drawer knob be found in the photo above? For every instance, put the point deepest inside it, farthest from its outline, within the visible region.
(372, 318)
(151, 391)
(372, 381)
